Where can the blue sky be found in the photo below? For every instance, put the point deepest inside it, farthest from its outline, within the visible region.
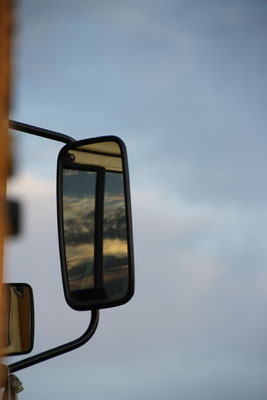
(184, 84)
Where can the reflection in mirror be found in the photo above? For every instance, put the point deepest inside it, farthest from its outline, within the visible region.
(95, 226)
(19, 314)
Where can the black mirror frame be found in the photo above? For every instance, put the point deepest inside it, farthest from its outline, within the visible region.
(75, 304)
(31, 321)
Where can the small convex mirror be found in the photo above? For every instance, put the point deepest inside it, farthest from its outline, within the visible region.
(19, 318)
(95, 225)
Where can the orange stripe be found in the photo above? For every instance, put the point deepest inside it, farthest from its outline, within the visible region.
(5, 73)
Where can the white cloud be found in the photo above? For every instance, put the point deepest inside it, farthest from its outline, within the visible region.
(185, 83)
(29, 185)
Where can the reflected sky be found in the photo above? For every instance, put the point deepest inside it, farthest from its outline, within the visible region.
(115, 261)
(78, 214)
(79, 210)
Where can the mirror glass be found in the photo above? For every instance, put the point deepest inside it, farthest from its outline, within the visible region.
(19, 317)
(96, 225)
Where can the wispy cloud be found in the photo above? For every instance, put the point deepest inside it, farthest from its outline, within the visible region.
(184, 84)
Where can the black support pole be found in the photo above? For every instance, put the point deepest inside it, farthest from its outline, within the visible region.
(57, 351)
(34, 130)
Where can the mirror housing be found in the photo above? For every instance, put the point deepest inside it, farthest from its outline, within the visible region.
(95, 223)
(19, 309)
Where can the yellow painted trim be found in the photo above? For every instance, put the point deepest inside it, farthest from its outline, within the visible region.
(5, 73)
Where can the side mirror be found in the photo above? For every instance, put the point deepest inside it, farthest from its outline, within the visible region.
(95, 223)
(19, 331)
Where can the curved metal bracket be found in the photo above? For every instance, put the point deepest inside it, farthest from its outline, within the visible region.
(34, 130)
(57, 351)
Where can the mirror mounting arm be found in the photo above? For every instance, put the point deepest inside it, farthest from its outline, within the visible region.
(34, 130)
(57, 351)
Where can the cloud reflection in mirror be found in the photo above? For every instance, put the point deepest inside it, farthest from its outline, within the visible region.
(110, 275)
